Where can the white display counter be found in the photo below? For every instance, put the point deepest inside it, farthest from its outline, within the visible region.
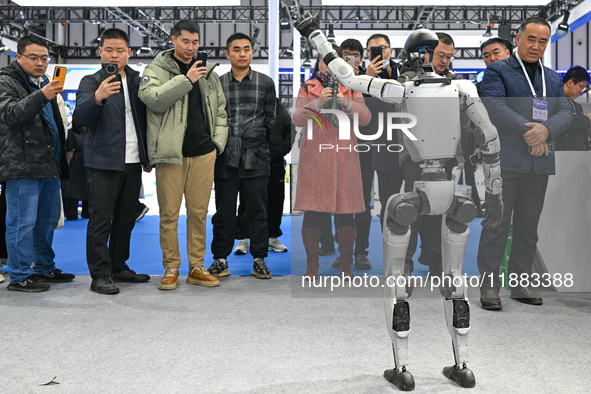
(565, 225)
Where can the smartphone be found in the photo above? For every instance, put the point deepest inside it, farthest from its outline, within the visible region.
(110, 69)
(201, 55)
(474, 159)
(59, 73)
(350, 60)
(376, 52)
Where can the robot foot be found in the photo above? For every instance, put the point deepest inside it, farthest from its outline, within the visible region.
(464, 377)
(403, 380)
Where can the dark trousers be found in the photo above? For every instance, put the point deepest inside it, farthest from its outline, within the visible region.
(317, 219)
(469, 170)
(276, 197)
(428, 226)
(254, 191)
(71, 209)
(523, 196)
(3, 251)
(112, 204)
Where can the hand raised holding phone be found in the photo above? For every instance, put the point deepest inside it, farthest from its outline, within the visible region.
(106, 89)
(52, 89)
(196, 71)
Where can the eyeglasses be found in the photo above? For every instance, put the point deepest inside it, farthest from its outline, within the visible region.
(443, 56)
(582, 86)
(382, 47)
(35, 58)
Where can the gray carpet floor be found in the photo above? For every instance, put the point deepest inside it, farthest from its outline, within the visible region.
(255, 336)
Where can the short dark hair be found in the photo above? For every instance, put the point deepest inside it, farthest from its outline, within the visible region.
(533, 19)
(25, 41)
(337, 50)
(237, 36)
(189, 26)
(352, 44)
(445, 39)
(576, 74)
(497, 40)
(378, 35)
(114, 33)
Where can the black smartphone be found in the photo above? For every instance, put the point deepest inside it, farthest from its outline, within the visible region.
(201, 55)
(110, 69)
(474, 159)
(375, 52)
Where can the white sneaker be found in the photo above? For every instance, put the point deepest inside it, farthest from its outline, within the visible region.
(242, 247)
(1, 278)
(276, 246)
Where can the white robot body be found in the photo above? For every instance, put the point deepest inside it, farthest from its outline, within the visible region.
(435, 102)
(438, 130)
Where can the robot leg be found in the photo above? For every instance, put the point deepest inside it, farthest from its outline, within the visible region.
(454, 237)
(402, 210)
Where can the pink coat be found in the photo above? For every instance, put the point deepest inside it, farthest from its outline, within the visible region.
(328, 181)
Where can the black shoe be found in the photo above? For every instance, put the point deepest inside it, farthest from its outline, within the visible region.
(490, 300)
(104, 285)
(403, 380)
(326, 252)
(463, 377)
(55, 276)
(260, 270)
(129, 276)
(336, 263)
(526, 295)
(362, 262)
(142, 209)
(29, 285)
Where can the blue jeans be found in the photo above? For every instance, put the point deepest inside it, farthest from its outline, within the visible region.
(32, 213)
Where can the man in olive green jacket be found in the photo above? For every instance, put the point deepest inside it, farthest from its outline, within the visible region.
(187, 127)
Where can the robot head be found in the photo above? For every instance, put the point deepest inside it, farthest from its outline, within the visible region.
(422, 41)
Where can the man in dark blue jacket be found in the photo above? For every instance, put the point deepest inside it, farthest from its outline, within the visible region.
(32, 160)
(114, 153)
(526, 103)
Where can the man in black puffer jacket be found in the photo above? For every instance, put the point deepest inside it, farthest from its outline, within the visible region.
(32, 160)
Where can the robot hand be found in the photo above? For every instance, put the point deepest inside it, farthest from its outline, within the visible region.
(493, 217)
(306, 24)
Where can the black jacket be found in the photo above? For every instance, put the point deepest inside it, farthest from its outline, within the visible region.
(26, 143)
(282, 136)
(576, 137)
(104, 148)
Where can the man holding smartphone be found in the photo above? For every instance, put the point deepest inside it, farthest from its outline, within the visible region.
(114, 154)
(353, 54)
(187, 129)
(31, 126)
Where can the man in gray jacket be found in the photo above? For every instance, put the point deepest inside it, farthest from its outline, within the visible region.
(187, 129)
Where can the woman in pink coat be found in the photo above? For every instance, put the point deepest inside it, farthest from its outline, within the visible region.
(329, 180)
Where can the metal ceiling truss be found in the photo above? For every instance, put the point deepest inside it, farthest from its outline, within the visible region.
(400, 17)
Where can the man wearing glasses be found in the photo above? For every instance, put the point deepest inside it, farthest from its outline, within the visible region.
(576, 137)
(353, 53)
(32, 160)
(443, 54)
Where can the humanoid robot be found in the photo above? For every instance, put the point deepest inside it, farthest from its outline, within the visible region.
(437, 135)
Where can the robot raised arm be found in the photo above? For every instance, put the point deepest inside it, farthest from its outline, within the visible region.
(386, 90)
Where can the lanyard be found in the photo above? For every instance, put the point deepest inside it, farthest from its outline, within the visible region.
(533, 92)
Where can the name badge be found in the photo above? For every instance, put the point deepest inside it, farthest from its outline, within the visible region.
(540, 110)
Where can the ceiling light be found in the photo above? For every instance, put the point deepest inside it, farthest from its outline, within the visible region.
(330, 36)
(145, 49)
(563, 27)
